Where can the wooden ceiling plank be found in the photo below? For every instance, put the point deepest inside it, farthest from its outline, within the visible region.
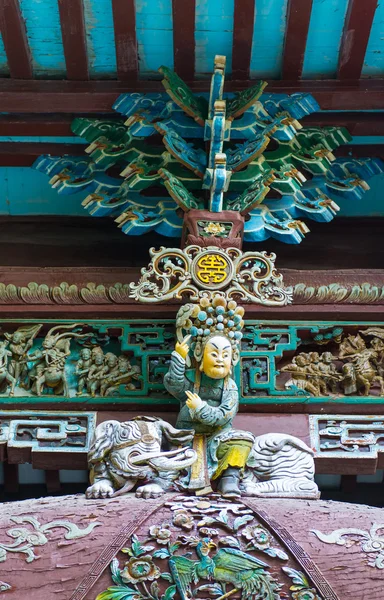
(74, 39)
(86, 97)
(298, 19)
(15, 40)
(183, 14)
(243, 27)
(124, 22)
(354, 42)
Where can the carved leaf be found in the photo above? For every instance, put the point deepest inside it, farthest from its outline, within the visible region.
(65, 293)
(239, 521)
(213, 589)
(223, 517)
(161, 553)
(297, 576)
(36, 294)
(8, 294)
(119, 293)
(277, 553)
(118, 593)
(115, 571)
(170, 592)
(94, 294)
(229, 540)
(155, 589)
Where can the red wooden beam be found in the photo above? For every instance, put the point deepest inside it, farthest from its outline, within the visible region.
(45, 124)
(243, 25)
(24, 154)
(15, 40)
(357, 123)
(357, 29)
(124, 21)
(298, 18)
(183, 12)
(86, 97)
(74, 41)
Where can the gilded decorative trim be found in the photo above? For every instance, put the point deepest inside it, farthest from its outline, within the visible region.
(119, 293)
(334, 293)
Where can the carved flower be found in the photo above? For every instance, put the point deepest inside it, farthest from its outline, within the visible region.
(140, 569)
(208, 532)
(162, 535)
(257, 535)
(181, 518)
(214, 228)
(306, 594)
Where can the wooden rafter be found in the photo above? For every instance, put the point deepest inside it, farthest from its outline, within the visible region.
(15, 40)
(74, 41)
(243, 26)
(124, 22)
(184, 38)
(357, 28)
(298, 18)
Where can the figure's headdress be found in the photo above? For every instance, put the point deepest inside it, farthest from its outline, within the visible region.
(209, 318)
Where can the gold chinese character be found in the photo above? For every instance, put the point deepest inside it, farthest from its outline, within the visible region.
(212, 268)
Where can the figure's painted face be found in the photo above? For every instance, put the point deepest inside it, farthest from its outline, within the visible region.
(217, 358)
(112, 361)
(99, 359)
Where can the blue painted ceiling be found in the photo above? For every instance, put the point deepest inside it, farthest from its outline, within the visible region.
(213, 35)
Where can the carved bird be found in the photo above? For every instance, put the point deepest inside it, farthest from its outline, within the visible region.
(242, 570)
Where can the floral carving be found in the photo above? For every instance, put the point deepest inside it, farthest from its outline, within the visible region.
(138, 569)
(161, 534)
(225, 561)
(183, 519)
(300, 589)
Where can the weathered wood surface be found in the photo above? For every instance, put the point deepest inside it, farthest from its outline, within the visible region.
(48, 241)
(62, 564)
(363, 123)
(37, 96)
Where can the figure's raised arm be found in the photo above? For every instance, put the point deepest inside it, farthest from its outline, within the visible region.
(175, 380)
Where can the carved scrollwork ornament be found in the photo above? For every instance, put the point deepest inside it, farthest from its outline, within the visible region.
(197, 272)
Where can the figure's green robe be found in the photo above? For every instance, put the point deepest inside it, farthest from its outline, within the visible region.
(214, 418)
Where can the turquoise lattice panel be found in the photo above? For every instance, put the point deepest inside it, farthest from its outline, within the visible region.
(98, 362)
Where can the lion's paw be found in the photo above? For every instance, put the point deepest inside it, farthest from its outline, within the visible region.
(150, 490)
(100, 489)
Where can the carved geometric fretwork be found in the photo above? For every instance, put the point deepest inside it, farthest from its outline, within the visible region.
(37, 437)
(350, 444)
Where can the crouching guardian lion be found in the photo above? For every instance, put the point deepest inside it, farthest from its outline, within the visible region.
(124, 454)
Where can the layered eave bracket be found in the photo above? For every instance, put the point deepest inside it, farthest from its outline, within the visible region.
(245, 154)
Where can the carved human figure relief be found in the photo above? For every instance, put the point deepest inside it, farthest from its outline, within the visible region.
(145, 453)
